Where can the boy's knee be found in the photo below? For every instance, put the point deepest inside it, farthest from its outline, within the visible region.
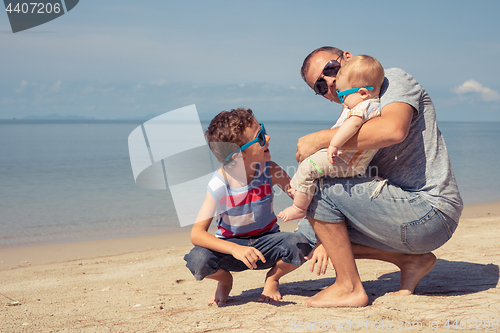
(297, 238)
(303, 244)
(197, 259)
(298, 244)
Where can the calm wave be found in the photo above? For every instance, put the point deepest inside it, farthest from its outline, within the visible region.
(72, 181)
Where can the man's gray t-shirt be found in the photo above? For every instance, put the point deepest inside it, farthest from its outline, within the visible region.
(420, 163)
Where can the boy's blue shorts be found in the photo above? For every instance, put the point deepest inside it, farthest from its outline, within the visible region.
(289, 247)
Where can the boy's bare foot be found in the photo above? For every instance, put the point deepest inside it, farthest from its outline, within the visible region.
(271, 291)
(338, 296)
(413, 268)
(224, 286)
(292, 213)
(221, 294)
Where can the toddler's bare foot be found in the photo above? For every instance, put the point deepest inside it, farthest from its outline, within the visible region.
(292, 213)
(271, 291)
(224, 286)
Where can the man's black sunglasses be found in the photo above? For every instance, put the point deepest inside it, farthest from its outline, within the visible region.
(331, 69)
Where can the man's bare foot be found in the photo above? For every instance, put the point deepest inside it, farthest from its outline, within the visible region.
(292, 213)
(337, 296)
(271, 291)
(224, 286)
(413, 268)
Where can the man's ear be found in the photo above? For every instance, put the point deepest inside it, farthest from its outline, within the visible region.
(347, 55)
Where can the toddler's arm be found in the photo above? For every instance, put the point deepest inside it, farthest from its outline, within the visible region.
(350, 127)
(390, 128)
(201, 237)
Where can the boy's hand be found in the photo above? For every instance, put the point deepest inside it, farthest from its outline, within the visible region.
(332, 153)
(319, 255)
(249, 255)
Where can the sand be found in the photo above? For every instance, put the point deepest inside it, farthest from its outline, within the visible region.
(142, 285)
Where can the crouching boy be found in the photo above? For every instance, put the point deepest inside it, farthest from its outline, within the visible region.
(240, 195)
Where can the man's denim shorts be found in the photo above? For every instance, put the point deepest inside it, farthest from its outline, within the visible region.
(379, 215)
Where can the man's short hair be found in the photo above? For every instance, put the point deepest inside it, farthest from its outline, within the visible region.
(307, 61)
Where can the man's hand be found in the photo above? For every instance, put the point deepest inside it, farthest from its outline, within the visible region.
(313, 142)
(249, 255)
(318, 255)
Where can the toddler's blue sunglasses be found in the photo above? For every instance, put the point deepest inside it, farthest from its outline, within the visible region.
(261, 139)
(346, 92)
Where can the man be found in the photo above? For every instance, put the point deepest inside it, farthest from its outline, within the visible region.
(408, 204)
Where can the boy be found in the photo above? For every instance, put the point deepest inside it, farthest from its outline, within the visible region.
(358, 86)
(241, 195)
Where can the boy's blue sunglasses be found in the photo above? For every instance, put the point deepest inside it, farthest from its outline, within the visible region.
(261, 139)
(341, 94)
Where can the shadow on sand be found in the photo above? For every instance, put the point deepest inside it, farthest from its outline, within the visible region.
(448, 278)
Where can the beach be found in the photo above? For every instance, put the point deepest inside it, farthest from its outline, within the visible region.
(141, 284)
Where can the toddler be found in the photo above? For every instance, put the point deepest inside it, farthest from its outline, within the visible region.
(358, 86)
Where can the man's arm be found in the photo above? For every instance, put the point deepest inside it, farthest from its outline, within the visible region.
(390, 128)
(311, 143)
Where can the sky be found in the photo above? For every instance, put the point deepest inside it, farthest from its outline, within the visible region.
(129, 59)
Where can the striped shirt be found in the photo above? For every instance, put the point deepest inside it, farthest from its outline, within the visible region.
(358, 160)
(247, 211)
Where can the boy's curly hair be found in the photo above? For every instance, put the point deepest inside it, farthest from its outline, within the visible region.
(226, 131)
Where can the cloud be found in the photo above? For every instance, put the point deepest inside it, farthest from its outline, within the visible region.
(159, 83)
(21, 86)
(56, 87)
(472, 86)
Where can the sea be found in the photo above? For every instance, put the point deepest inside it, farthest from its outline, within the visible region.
(67, 181)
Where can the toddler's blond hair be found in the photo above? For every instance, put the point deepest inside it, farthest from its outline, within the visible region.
(363, 70)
